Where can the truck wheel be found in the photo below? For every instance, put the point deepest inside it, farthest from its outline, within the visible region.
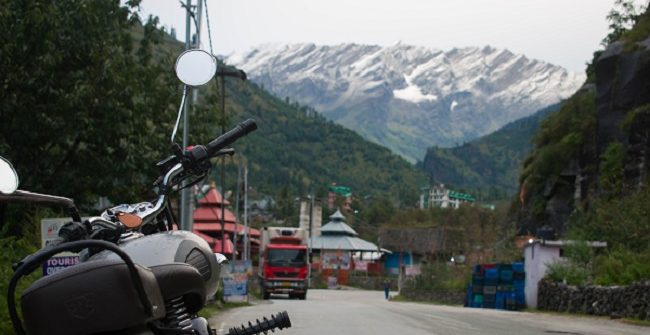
(265, 295)
(303, 296)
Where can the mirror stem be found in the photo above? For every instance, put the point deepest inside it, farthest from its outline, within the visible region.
(180, 112)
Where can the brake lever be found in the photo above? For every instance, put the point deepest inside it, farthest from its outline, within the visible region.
(223, 152)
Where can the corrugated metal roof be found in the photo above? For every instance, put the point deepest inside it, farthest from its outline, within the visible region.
(337, 216)
(345, 243)
(337, 226)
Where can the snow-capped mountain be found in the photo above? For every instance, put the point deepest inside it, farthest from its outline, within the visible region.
(410, 98)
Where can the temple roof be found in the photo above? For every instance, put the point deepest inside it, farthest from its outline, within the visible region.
(213, 198)
(337, 226)
(345, 243)
(212, 214)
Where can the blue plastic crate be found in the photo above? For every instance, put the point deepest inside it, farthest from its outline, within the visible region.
(520, 300)
(505, 266)
(489, 290)
(505, 275)
(518, 267)
(491, 273)
(500, 301)
(491, 282)
(468, 296)
(488, 304)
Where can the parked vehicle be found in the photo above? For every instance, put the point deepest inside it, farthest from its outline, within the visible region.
(138, 275)
(284, 262)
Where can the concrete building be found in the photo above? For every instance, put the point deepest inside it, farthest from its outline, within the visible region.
(539, 254)
(440, 196)
(333, 247)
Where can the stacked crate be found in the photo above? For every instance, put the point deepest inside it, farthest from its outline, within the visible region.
(505, 287)
(490, 287)
(476, 299)
(499, 286)
(519, 284)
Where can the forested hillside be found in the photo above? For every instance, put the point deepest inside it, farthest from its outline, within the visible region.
(296, 148)
(489, 162)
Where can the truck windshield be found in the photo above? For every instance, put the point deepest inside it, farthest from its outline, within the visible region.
(286, 257)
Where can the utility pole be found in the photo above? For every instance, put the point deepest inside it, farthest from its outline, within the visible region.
(311, 235)
(223, 170)
(237, 207)
(223, 73)
(246, 239)
(186, 194)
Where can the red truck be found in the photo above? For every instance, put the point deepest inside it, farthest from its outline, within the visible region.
(284, 262)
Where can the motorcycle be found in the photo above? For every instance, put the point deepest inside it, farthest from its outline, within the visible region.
(138, 275)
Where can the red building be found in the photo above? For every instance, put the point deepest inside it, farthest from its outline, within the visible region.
(207, 224)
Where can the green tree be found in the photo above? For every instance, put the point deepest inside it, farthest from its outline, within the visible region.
(88, 97)
(621, 19)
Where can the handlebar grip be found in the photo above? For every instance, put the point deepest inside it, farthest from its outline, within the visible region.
(231, 136)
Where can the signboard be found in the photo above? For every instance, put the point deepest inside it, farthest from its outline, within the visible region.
(50, 232)
(412, 270)
(337, 260)
(331, 282)
(235, 287)
(241, 266)
(361, 265)
(235, 281)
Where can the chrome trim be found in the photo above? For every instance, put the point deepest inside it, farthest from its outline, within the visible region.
(149, 214)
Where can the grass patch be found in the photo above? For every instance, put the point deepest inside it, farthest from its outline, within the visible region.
(400, 298)
(567, 314)
(631, 321)
(217, 306)
(636, 322)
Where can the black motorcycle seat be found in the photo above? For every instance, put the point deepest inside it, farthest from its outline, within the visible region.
(181, 280)
(90, 297)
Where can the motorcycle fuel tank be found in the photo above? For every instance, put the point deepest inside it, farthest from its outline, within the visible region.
(172, 247)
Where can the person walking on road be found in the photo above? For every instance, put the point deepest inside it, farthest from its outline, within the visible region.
(387, 288)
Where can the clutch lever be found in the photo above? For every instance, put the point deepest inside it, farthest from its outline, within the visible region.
(223, 152)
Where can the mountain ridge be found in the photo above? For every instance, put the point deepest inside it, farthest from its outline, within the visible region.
(409, 98)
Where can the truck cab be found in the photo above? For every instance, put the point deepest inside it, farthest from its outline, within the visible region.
(284, 262)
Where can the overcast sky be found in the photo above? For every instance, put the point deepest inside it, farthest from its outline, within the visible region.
(563, 32)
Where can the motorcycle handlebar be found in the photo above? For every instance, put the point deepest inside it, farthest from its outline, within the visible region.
(231, 136)
(197, 155)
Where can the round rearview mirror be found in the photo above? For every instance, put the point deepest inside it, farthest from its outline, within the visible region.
(195, 67)
(8, 177)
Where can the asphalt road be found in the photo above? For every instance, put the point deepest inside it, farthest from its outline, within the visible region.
(332, 312)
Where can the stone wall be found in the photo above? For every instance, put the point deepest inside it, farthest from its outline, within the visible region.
(632, 301)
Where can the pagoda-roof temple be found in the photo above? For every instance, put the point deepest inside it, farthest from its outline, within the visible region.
(337, 235)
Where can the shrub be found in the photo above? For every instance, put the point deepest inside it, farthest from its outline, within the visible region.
(441, 276)
(567, 272)
(621, 267)
(12, 249)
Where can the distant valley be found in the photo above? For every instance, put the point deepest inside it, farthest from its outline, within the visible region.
(410, 98)
(492, 162)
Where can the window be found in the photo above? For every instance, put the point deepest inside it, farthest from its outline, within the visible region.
(287, 257)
